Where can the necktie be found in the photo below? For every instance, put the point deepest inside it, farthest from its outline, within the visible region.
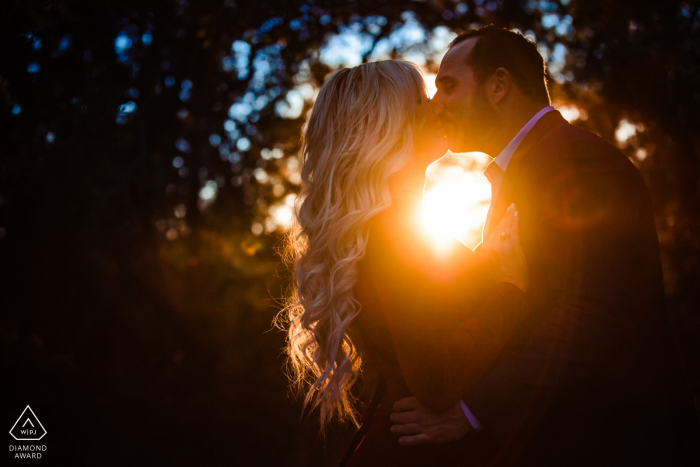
(494, 174)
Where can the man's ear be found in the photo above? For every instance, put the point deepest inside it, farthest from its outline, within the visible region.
(499, 85)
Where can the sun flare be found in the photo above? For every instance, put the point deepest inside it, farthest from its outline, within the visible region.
(456, 199)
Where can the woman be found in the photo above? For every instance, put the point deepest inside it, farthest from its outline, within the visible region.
(430, 322)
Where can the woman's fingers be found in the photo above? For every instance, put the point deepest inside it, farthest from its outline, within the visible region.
(503, 226)
(508, 256)
(506, 223)
(515, 228)
(510, 216)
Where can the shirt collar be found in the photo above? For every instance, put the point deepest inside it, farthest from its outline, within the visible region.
(503, 159)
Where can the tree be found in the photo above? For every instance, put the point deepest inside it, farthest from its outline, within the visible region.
(146, 161)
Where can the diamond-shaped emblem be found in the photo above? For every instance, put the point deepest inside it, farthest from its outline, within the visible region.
(27, 427)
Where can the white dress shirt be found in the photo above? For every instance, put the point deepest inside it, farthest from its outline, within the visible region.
(502, 161)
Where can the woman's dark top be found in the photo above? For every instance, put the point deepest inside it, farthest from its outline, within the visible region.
(432, 322)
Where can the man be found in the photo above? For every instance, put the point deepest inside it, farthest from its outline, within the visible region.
(593, 376)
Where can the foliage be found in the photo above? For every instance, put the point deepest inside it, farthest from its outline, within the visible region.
(147, 156)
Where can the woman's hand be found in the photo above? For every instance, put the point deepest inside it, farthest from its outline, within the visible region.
(503, 246)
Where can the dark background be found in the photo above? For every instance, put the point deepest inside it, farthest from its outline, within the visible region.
(136, 309)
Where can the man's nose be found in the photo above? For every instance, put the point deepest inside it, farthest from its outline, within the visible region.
(437, 98)
(437, 105)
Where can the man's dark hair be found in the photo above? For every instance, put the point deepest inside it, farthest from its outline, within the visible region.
(499, 47)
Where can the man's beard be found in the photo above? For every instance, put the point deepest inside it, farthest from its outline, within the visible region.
(477, 125)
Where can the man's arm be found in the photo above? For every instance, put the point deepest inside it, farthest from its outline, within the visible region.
(582, 214)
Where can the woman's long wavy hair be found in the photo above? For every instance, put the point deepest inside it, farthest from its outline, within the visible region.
(359, 134)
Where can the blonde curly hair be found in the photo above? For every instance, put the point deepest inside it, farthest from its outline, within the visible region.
(360, 132)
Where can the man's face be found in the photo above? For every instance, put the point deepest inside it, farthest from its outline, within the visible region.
(467, 118)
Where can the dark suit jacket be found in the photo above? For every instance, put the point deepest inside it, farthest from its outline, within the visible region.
(593, 377)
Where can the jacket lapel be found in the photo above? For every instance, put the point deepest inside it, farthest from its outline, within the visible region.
(510, 178)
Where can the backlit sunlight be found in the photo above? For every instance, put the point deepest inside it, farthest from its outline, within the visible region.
(456, 199)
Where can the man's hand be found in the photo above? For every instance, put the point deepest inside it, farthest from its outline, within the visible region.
(417, 424)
